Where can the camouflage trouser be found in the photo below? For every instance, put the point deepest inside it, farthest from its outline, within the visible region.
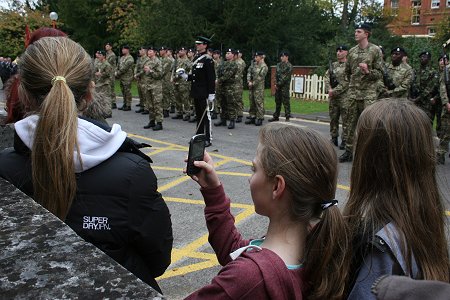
(436, 111)
(113, 92)
(140, 88)
(168, 94)
(240, 100)
(154, 96)
(229, 103)
(445, 133)
(218, 99)
(282, 97)
(256, 97)
(125, 86)
(105, 90)
(182, 99)
(191, 104)
(338, 109)
(426, 107)
(354, 110)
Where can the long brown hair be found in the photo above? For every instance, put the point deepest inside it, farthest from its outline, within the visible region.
(393, 180)
(308, 164)
(56, 103)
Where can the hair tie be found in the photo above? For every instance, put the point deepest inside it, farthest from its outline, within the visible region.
(327, 204)
(56, 78)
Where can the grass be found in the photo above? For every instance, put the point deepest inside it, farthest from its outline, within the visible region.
(298, 106)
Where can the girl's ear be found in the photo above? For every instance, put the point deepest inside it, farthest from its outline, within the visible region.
(279, 186)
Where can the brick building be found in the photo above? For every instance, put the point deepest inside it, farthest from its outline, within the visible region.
(416, 17)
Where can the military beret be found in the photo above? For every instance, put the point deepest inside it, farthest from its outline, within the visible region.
(182, 48)
(152, 48)
(284, 53)
(101, 52)
(143, 47)
(443, 56)
(398, 49)
(427, 53)
(364, 26)
(163, 48)
(238, 51)
(342, 48)
(191, 50)
(259, 53)
(231, 50)
(203, 40)
(126, 47)
(108, 44)
(217, 51)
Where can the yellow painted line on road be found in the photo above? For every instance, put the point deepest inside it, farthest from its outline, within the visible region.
(160, 150)
(447, 213)
(343, 187)
(157, 141)
(173, 183)
(189, 269)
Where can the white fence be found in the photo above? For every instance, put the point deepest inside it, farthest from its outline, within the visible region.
(311, 87)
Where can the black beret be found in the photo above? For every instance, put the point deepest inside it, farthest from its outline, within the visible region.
(364, 26)
(427, 53)
(259, 53)
(152, 48)
(182, 48)
(284, 53)
(163, 48)
(398, 49)
(101, 52)
(342, 47)
(217, 51)
(231, 50)
(108, 44)
(126, 47)
(191, 50)
(443, 56)
(238, 51)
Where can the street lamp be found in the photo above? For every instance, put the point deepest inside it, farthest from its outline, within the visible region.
(54, 18)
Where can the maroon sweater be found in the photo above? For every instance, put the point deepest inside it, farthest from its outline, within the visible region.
(256, 274)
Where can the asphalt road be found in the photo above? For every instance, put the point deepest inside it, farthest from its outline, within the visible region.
(193, 261)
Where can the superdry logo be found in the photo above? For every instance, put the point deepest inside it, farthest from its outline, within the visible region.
(96, 223)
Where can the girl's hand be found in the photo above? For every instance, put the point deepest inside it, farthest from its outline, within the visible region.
(207, 177)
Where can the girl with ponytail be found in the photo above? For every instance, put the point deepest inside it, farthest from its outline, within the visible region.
(303, 253)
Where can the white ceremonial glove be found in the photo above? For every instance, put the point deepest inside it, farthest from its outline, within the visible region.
(211, 97)
(182, 73)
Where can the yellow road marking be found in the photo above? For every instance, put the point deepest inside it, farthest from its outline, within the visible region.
(173, 183)
(157, 141)
(188, 269)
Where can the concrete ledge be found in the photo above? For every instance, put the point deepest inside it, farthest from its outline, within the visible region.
(41, 257)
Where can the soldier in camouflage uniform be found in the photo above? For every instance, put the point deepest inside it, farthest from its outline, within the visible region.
(182, 87)
(166, 84)
(172, 88)
(227, 81)
(125, 74)
(153, 89)
(398, 76)
(112, 60)
(103, 78)
(219, 92)
(338, 96)
(282, 87)
(363, 69)
(255, 77)
(444, 91)
(436, 103)
(426, 80)
(138, 75)
(240, 86)
(190, 55)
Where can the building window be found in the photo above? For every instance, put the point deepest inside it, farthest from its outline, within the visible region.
(415, 12)
(448, 3)
(435, 3)
(431, 31)
(394, 3)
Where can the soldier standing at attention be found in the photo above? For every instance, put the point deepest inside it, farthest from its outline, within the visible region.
(338, 96)
(171, 87)
(112, 60)
(166, 68)
(138, 75)
(363, 69)
(182, 87)
(399, 76)
(255, 78)
(227, 81)
(202, 80)
(426, 80)
(153, 90)
(219, 93)
(444, 92)
(240, 86)
(103, 77)
(282, 87)
(436, 103)
(125, 74)
(190, 55)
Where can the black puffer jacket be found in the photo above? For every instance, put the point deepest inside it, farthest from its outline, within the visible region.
(117, 207)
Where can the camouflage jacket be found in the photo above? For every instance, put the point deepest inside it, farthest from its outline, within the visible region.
(112, 59)
(105, 70)
(166, 68)
(154, 76)
(257, 73)
(241, 68)
(443, 91)
(426, 80)
(339, 72)
(402, 76)
(363, 86)
(283, 74)
(125, 68)
(186, 64)
(139, 67)
(227, 73)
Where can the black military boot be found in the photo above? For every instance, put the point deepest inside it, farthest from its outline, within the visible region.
(165, 113)
(177, 117)
(288, 117)
(274, 119)
(113, 106)
(250, 120)
(150, 124)
(213, 116)
(158, 126)
(334, 141)
(346, 157)
(231, 125)
(172, 109)
(193, 119)
(140, 110)
(239, 119)
(186, 118)
(342, 146)
(221, 122)
(145, 112)
(258, 122)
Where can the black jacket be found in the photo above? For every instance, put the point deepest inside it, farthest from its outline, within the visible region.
(117, 208)
(203, 77)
